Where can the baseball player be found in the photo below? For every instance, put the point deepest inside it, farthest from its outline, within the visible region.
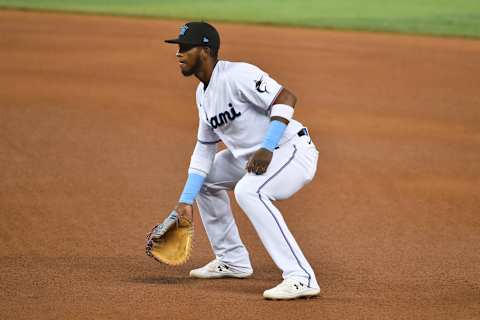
(269, 156)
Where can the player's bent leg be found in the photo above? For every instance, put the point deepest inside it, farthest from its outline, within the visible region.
(292, 167)
(222, 232)
(216, 214)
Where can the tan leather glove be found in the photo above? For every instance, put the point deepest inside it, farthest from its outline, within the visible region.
(170, 242)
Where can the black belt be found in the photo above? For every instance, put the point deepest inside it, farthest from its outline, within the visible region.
(303, 132)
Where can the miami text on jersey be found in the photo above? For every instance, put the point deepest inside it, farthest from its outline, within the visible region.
(224, 117)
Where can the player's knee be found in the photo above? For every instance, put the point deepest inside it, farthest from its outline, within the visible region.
(209, 189)
(206, 189)
(244, 193)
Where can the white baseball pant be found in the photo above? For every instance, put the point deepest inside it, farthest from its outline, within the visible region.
(293, 165)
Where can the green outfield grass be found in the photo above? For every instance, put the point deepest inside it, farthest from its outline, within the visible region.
(435, 17)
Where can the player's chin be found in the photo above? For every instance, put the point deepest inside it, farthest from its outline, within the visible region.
(186, 71)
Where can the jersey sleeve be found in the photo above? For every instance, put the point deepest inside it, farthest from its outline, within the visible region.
(205, 134)
(254, 85)
(205, 149)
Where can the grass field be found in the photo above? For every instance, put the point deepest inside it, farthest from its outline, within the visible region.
(435, 17)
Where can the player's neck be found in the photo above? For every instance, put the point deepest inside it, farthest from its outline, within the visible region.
(205, 74)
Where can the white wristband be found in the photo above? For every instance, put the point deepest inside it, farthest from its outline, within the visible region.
(282, 110)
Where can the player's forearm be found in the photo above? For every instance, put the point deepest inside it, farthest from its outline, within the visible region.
(200, 164)
(281, 114)
(192, 187)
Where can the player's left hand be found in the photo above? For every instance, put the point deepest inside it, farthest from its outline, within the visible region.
(259, 162)
(185, 210)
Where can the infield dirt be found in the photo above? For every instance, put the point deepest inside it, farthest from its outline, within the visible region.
(96, 129)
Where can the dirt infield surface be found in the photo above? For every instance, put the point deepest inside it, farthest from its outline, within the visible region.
(96, 130)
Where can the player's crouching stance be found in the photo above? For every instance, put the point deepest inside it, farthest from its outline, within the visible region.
(269, 156)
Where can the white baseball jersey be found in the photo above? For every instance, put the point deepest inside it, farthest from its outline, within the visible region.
(235, 108)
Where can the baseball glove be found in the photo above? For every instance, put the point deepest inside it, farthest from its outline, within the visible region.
(170, 242)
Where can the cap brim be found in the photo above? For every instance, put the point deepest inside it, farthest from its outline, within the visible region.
(180, 41)
(172, 41)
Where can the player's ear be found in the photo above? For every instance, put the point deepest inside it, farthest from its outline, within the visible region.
(205, 52)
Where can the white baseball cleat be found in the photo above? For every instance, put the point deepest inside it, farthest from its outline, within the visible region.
(217, 269)
(290, 289)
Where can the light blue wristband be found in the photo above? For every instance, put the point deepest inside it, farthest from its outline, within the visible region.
(274, 134)
(192, 187)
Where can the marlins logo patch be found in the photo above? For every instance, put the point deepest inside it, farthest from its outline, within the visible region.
(261, 86)
(183, 30)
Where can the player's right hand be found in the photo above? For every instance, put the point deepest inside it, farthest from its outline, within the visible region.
(260, 161)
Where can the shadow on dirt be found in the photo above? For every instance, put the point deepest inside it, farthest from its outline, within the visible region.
(161, 280)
